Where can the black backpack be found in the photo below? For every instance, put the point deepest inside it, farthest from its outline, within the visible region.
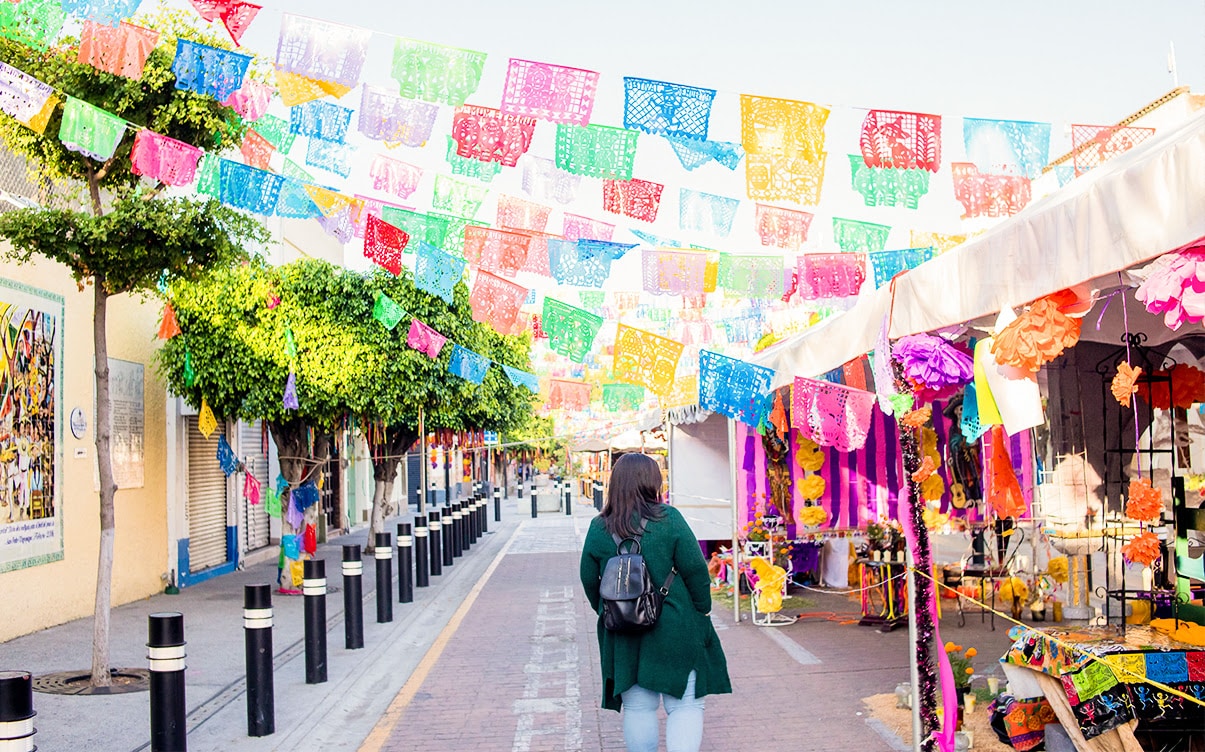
(630, 603)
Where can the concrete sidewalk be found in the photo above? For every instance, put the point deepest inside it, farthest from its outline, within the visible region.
(334, 715)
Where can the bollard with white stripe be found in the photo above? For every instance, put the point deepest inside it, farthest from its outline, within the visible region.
(485, 511)
(313, 587)
(466, 529)
(477, 505)
(497, 505)
(383, 553)
(353, 597)
(16, 711)
(165, 658)
(440, 553)
(598, 495)
(568, 498)
(534, 510)
(457, 531)
(257, 634)
(449, 537)
(422, 576)
(405, 564)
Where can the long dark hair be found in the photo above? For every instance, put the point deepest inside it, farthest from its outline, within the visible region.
(634, 494)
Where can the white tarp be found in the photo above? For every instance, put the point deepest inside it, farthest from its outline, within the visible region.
(1135, 207)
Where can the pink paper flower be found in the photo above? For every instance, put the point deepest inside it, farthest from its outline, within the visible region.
(1175, 287)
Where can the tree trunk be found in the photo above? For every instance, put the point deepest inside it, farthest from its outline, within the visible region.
(386, 456)
(298, 463)
(108, 490)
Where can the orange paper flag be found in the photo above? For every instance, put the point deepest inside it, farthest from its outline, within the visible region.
(169, 327)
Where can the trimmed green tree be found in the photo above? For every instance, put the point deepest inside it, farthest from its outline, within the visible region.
(246, 329)
(409, 380)
(128, 240)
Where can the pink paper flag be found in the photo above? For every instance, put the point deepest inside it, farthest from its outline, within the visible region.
(394, 176)
(167, 160)
(425, 339)
(496, 250)
(121, 50)
(251, 489)
(256, 150)
(520, 214)
(251, 100)
(577, 227)
(549, 92)
(496, 301)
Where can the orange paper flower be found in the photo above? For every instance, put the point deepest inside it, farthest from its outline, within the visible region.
(927, 466)
(1145, 503)
(1188, 385)
(1125, 383)
(1035, 337)
(918, 417)
(1142, 549)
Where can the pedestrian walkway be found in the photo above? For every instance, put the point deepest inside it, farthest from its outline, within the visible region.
(500, 654)
(520, 672)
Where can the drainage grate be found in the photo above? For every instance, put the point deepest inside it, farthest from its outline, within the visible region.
(125, 680)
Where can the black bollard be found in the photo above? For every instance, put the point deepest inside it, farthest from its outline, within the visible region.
(485, 512)
(476, 517)
(598, 495)
(16, 711)
(353, 597)
(534, 510)
(466, 527)
(313, 587)
(421, 541)
(405, 564)
(497, 505)
(519, 486)
(441, 552)
(457, 525)
(448, 536)
(257, 634)
(568, 498)
(384, 555)
(165, 658)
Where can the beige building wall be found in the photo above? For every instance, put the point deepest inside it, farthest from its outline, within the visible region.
(40, 596)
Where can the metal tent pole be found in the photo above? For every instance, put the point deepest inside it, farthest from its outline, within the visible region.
(736, 549)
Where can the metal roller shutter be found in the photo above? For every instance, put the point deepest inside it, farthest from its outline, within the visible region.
(206, 501)
(251, 451)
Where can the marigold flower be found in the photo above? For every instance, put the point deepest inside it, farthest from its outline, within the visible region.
(917, 418)
(1142, 549)
(1145, 503)
(972, 652)
(970, 670)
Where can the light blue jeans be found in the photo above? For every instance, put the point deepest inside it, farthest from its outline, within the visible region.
(683, 727)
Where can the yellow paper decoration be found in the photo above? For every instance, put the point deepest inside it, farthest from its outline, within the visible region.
(813, 516)
(989, 414)
(936, 240)
(295, 89)
(809, 455)
(646, 359)
(38, 122)
(771, 582)
(684, 394)
(933, 487)
(928, 442)
(206, 422)
(812, 487)
(784, 145)
(329, 202)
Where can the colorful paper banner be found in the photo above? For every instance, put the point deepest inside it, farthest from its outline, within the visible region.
(571, 331)
(549, 92)
(734, 388)
(646, 359)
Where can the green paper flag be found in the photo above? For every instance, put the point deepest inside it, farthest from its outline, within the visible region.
(387, 311)
(90, 130)
(571, 331)
(900, 404)
(418, 226)
(596, 151)
(33, 22)
(209, 176)
(619, 397)
(273, 503)
(290, 344)
(190, 376)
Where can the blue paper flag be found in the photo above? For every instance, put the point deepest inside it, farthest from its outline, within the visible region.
(662, 108)
(305, 495)
(693, 153)
(522, 378)
(706, 212)
(734, 388)
(437, 272)
(329, 155)
(226, 457)
(249, 188)
(320, 119)
(209, 70)
(887, 264)
(584, 263)
(282, 485)
(291, 546)
(294, 201)
(107, 12)
(1007, 147)
(468, 365)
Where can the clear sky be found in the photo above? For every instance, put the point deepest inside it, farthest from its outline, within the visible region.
(1089, 61)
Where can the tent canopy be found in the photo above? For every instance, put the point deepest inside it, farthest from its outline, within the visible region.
(1129, 210)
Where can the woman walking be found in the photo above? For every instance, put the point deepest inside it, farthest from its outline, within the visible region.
(680, 659)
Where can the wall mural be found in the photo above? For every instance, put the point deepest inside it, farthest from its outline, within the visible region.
(31, 346)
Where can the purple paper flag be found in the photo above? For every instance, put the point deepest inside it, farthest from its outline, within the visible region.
(425, 339)
(290, 399)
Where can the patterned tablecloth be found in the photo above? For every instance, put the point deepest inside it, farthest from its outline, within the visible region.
(1109, 692)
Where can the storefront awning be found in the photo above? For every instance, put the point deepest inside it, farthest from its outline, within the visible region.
(1133, 208)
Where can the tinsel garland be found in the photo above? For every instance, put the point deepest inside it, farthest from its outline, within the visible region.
(923, 587)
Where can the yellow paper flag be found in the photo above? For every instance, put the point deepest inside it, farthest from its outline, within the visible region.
(646, 359)
(206, 422)
(295, 89)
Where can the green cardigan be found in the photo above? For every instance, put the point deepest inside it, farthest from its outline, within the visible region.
(683, 639)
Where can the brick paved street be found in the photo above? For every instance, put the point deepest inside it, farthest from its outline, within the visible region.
(521, 671)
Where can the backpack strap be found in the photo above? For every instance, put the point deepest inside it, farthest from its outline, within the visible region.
(669, 580)
(620, 541)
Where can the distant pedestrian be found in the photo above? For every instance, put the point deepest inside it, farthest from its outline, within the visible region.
(680, 659)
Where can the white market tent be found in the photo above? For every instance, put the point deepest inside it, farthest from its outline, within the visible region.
(1133, 208)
